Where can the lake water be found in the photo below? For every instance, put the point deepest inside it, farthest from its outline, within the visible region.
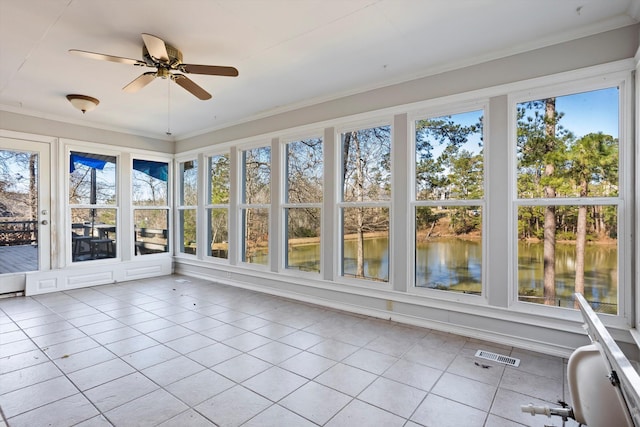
(455, 264)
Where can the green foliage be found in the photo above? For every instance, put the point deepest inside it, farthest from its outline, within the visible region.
(580, 167)
(425, 216)
(465, 220)
(443, 168)
(219, 167)
(466, 175)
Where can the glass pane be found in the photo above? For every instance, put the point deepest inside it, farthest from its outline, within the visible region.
(365, 246)
(449, 248)
(151, 230)
(188, 242)
(257, 175)
(304, 171)
(189, 183)
(219, 233)
(366, 158)
(449, 157)
(255, 231)
(568, 146)
(582, 254)
(93, 234)
(18, 211)
(219, 179)
(92, 179)
(303, 239)
(150, 183)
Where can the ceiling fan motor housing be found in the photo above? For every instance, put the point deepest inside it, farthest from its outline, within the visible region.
(175, 58)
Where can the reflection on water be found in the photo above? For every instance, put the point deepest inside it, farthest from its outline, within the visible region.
(600, 276)
(376, 259)
(451, 264)
(456, 265)
(304, 257)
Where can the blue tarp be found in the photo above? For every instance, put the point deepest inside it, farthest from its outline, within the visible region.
(87, 161)
(158, 170)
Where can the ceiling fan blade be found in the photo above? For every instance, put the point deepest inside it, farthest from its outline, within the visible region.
(156, 47)
(191, 86)
(212, 70)
(103, 57)
(140, 82)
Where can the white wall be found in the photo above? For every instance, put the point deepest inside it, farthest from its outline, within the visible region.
(598, 49)
(39, 126)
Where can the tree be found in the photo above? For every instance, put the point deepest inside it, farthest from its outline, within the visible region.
(257, 181)
(593, 159)
(366, 172)
(304, 171)
(219, 180)
(19, 199)
(549, 212)
(351, 138)
(433, 174)
(454, 173)
(219, 190)
(541, 148)
(304, 180)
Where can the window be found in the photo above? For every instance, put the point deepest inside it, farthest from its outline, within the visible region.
(218, 207)
(254, 208)
(151, 206)
(568, 199)
(366, 203)
(303, 201)
(449, 201)
(93, 206)
(187, 206)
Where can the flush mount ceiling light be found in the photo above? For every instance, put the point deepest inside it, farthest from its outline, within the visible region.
(83, 103)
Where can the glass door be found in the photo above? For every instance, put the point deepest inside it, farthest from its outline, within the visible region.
(25, 238)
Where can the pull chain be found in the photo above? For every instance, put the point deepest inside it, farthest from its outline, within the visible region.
(169, 107)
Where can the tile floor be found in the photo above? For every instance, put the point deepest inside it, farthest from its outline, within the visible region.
(180, 351)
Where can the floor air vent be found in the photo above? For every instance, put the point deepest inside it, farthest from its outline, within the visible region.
(511, 361)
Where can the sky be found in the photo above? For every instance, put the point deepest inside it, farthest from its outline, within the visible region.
(584, 113)
(466, 119)
(590, 112)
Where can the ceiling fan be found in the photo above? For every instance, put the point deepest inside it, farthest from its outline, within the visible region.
(165, 59)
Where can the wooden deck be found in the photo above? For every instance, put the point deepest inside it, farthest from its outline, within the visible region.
(14, 259)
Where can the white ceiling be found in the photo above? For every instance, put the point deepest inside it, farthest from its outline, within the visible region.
(288, 52)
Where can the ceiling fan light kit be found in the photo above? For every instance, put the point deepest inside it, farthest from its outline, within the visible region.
(166, 59)
(83, 103)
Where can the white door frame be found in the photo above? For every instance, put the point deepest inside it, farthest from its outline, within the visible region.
(15, 282)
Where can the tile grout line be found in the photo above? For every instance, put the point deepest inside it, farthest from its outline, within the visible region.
(64, 374)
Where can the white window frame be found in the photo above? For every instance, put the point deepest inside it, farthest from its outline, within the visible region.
(450, 109)
(241, 205)
(180, 207)
(208, 206)
(284, 205)
(91, 148)
(338, 277)
(557, 86)
(167, 206)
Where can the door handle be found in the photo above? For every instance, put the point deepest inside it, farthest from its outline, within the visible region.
(44, 222)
